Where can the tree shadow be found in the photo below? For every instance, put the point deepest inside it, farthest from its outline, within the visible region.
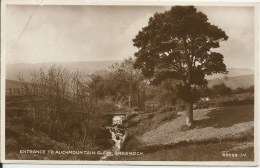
(227, 116)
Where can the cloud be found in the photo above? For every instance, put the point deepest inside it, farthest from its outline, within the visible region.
(238, 23)
(87, 33)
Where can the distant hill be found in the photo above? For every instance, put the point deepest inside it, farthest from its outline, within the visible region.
(233, 72)
(236, 77)
(87, 67)
(234, 82)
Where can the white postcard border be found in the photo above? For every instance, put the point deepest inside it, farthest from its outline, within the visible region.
(253, 3)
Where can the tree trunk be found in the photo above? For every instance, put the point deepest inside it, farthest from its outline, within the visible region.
(129, 101)
(189, 114)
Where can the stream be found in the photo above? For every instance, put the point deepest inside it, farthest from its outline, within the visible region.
(118, 135)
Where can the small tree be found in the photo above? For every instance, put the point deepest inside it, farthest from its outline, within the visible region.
(130, 81)
(177, 44)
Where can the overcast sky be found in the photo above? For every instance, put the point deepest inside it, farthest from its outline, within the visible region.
(96, 33)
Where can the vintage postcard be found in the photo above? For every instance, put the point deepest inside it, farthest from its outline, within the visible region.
(119, 82)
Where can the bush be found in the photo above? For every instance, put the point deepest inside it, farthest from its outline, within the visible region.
(132, 115)
(204, 105)
(169, 117)
(165, 109)
(136, 109)
(244, 90)
(151, 115)
(221, 89)
(237, 102)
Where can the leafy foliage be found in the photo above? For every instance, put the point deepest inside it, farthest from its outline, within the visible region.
(177, 44)
(221, 89)
(119, 83)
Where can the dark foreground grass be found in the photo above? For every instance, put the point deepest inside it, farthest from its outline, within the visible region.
(20, 136)
(222, 151)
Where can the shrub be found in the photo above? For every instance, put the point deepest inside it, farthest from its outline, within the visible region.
(136, 109)
(204, 105)
(237, 102)
(221, 89)
(165, 109)
(132, 115)
(151, 115)
(169, 117)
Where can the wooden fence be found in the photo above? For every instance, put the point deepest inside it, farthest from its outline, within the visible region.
(16, 92)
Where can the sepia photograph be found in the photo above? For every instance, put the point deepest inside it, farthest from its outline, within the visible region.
(124, 82)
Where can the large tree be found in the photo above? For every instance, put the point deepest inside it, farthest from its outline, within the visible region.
(177, 44)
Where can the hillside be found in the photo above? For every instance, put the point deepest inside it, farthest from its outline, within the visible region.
(87, 67)
(215, 130)
(232, 72)
(234, 82)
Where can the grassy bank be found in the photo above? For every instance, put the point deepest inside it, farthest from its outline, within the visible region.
(215, 130)
(221, 123)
